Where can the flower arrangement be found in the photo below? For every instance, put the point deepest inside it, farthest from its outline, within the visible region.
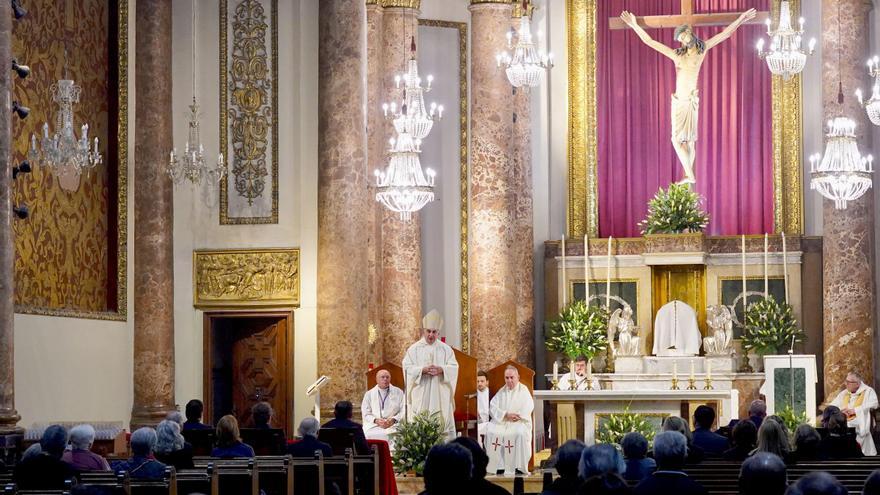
(413, 439)
(580, 330)
(675, 210)
(770, 327)
(792, 419)
(619, 424)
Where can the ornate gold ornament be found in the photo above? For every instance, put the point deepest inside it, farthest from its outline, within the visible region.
(246, 278)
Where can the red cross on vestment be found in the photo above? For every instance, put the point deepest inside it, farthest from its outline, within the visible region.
(496, 444)
(509, 447)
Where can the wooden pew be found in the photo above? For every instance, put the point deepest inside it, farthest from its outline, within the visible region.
(12, 489)
(340, 470)
(203, 481)
(236, 477)
(722, 477)
(201, 440)
(303, 468)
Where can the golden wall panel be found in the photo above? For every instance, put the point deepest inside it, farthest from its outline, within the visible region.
(66, 251)
(246, 278)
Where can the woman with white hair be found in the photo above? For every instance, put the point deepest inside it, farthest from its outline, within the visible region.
(80, 456)
(171, 448)
(141, 465)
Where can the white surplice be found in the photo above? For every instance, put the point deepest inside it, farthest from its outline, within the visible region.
(509, 443)
(580, 382)
(482, 413)
(431, 393)
(863, 402)
(676, 332)
(382, 404)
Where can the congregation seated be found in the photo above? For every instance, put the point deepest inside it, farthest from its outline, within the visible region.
(194, 409)
(171, 448)
(448, 468)
(229, 442)
(817, 483)
(773, 438)
(635, 452)
(142, 465)
(872, 484)
(763, 474)
(43, 469)
(713, 444)
(342, 433)
(744, 440)
(79, 456)
(478, 483)
(670, 452)
(262, 415)
(567, 463)
(806, 444)
(839, 443)
(826, 415)
(695, 454)
(605, 484)
(309, 444)
(262, 437)
(601, 468)
(176, 417)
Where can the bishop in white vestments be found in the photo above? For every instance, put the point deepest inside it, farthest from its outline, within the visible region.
(509, 435)
(857, 401)
(431, 372)
(675, 331)
(482, 404)
(581, 377)
(382, 408)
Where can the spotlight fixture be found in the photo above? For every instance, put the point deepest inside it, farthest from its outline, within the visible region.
(21, 211)
(20, 110)
(22, 168)
(22, 70)
(18, 10)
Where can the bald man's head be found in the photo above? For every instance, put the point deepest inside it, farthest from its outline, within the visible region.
(383, 379)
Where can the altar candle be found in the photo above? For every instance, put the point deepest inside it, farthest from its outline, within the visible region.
(675, 369)
(766, 266)
(589, 371)
(692, 369)
(564, 284)
(785, 267)
(608, 277)
(586, 269)
(555, 371)
(744, 273)
(708, 370)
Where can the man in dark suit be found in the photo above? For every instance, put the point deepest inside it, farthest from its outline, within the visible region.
(193, 421)
(308, 430)
(712, 443)
(342, 423)
(670, 452)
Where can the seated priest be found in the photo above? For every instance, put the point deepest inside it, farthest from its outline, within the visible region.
(676, 332)
(580, 377)
(509, 435)
(857, 401)
(482, 404)
(382, 408)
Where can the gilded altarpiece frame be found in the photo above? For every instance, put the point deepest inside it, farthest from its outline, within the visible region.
(246, 278)
(71, 252)
(582, 215)
(249, 111)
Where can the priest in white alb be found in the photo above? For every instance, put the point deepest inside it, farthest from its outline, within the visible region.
(580, 375)
(509, 435)
(483, 417)
(676, 332)
(857, 401)
(382, 408)
(431, 372)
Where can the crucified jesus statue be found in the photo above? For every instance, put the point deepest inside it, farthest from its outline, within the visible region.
(688, 59)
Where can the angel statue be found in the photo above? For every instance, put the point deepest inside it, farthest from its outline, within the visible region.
(720, 321)
(621, 325)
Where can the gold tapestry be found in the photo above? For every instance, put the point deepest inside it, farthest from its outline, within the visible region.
(63, 251)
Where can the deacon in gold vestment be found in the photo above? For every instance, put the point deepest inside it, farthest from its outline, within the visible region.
(857, 401)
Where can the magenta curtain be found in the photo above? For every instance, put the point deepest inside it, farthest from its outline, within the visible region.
(734, 165)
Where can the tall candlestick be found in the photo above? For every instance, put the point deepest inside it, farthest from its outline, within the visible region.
(692, 370)
(674, 370)
(555, 371)
(708, 370)
(586, 269)
(766, 266)
(744, 273)
(785, 267)
(608, 277)
(564, 283)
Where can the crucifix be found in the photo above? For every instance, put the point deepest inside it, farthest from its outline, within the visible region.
(688, 59)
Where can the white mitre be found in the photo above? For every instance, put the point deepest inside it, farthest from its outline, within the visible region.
(433, 320)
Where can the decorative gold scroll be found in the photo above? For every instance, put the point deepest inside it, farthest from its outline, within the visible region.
(583, 210)
(246, 278)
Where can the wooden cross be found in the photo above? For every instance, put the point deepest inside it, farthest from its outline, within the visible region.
(687, 16)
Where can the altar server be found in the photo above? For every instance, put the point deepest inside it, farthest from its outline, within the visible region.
(431, 372)
(857, 401)
(382, 408)
(482, 404)
(509, 435)
(581, 377)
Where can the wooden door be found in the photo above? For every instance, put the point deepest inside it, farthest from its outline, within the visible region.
(259, 369)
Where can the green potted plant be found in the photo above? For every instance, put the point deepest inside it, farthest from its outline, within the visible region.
(769, 328)
(580, 330)
(675, 221)
(619, 424)
(412, 441)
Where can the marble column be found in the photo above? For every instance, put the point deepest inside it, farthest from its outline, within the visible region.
(8, 415)
(523, 230)
(848, 239)
(342, 199)
(376, 146)
(153, 366)
(493, 289)
(401, 240)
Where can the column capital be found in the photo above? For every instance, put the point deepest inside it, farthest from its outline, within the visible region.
(404, 4)
(480, 2)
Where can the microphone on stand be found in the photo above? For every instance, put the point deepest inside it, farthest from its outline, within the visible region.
(791, 372)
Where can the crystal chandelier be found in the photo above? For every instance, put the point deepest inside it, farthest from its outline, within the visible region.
(872, 106)
(191, 165)
(412, 116)
(842, 174)
(785, 57)
(403, 187)
(526, 67)
(63, 152)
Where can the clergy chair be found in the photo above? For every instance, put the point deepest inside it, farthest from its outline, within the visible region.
(466, 395)
(396, 375)
(526, 377)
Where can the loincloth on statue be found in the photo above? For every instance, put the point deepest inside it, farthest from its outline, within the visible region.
(684, 117)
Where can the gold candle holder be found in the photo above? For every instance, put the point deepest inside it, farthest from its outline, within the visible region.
(572, 384)
(589, 383)
(708, 384)
(692, 384)
(554, 384)
(674, 384)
